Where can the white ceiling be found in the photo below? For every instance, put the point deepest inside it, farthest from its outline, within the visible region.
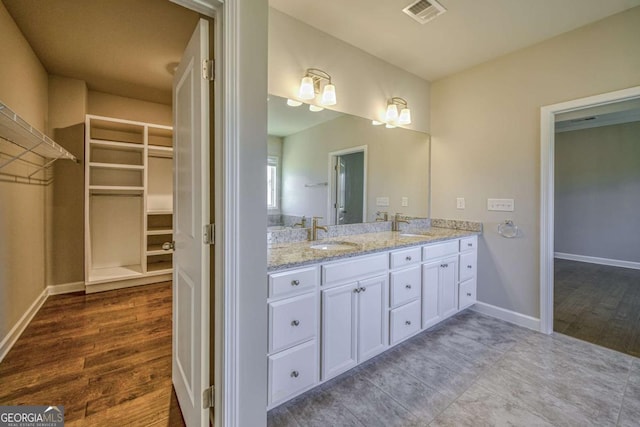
(285, 120)
(469, 33)
(123, 47)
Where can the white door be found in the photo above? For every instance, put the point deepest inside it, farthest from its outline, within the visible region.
(338, 330)
(430, 286)
(191, 212)
(372, 319)
(448, 284)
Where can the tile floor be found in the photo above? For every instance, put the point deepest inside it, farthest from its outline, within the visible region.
(473, 370)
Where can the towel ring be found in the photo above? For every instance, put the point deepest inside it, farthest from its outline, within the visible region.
(508, 229)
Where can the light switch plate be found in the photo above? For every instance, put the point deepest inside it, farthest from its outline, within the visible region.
(460, 203)
(382, 201)
(405, 201)
(504, 205)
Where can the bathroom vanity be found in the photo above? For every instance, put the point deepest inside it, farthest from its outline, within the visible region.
(335, 303)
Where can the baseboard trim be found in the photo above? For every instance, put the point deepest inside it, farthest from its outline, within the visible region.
(65, 288)
(17, 330)
(507, 315)
(596, 260)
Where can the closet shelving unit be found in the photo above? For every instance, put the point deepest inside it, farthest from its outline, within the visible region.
(128, 203)
(17, 131)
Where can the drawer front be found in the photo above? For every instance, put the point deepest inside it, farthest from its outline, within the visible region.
(357, 268)
(405, 285)
(468, 243)
(292, 320)
(292, 282)
(292, 371)
(405, 321)
(468, 265)
(467, 294)
(404, 258)
(439, 250)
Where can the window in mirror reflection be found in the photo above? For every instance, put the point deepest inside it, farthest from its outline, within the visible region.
(272, 182)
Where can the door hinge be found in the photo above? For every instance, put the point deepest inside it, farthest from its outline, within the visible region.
(209, 234)
(208, 397)
(209, 69)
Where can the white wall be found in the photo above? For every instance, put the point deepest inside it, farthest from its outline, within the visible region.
(397, 166)
(486, 141)
(597, 192)
(363, 82)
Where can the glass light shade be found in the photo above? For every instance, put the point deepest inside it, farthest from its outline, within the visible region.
(293, 103)
(315, 108)
(389, 126)
(329, 95)
(376, 123)
(306, 88)
(392, 113)
(405, 117)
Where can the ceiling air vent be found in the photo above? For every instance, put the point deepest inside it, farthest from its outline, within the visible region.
(424, 11)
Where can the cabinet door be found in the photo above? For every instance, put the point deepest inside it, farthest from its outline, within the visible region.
(430, 289)
(339, 329)
(372, 319)
(448, 287)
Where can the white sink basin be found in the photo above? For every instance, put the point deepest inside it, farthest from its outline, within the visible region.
(333, 246)
(411, 235)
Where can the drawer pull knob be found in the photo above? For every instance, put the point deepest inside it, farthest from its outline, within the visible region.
(469, 266)
(356, 290)
(295, 374)
(468, 294)
(444, 265)
(408, 322)
(408, 258)
(295, 282)
(363, 289)
(407, 286)
(295, 323)
(469, 244)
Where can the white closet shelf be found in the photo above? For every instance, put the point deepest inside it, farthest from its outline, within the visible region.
(157, 250)
(15, 129)
(114, 189)
(159, 231)
(159, 151)
(107, 274)
(114, 145)
(163, 212)
(115, 166)
(159, 267)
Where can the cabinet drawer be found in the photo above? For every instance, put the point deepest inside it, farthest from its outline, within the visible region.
(467, 294)
(439, 250)
(405, 321)
(404, 257)
(468, 265)
(292, 282)
(292, 371)
(292, 320)
(357, 268)
(405, 285)
(468, 243)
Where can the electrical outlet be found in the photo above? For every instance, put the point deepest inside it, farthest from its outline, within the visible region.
(382, 201)
(405, 201)
(460, 203)
(503, 205)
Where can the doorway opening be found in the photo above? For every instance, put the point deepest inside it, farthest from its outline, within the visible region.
(348, 193)
(579, 293)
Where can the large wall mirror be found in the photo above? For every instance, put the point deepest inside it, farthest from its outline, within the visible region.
(341, 167)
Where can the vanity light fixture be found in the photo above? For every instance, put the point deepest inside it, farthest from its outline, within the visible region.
(315, 108)
(376, 123)
(392, 118)
(293, 103)
(311, 84)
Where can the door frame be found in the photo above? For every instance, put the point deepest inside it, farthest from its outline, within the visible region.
(547, 192)
(331, 212)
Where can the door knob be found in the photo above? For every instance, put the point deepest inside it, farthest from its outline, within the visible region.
(169, 246)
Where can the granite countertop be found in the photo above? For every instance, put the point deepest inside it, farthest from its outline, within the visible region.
(288, 255)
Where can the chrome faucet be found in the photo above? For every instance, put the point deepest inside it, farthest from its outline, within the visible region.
(302, 223)
(316, 227)
(382, 216)
(396, 221)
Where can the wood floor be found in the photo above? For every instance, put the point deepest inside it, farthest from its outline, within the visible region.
(106, 357)
(599, 304)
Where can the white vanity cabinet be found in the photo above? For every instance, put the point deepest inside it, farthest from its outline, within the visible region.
(405, 281)
(467, 273)
(293, 309)
(354, 322)
(439, 282)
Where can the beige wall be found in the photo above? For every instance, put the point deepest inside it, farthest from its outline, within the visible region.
(363, 82)
(486, 141)
(397, 166)
(104, 104)
(67, 102)
(23, 87)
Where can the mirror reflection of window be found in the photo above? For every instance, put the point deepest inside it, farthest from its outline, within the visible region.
(272, 182)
